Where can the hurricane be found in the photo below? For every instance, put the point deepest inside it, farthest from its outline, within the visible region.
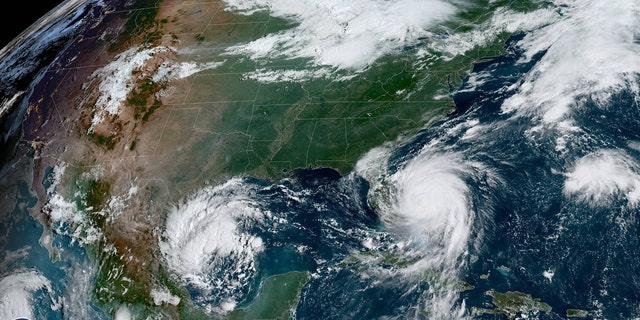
(399, 159)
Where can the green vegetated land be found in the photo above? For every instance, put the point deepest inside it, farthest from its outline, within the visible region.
(513, 304)
(577, 313)
(232, 125)
(268, 129)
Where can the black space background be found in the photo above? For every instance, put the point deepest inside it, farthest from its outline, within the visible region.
(20, 14)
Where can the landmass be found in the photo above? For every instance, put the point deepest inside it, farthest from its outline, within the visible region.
(577, 313)
(513, 304)
(278, 296)
(145, 107)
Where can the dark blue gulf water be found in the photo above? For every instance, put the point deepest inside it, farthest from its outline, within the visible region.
(330, 223)
(566, 253)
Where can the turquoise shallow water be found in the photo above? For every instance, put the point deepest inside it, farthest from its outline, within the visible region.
(527, 234)
(546, 209)
(531, 231)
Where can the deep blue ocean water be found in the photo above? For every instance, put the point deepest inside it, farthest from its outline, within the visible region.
(567, 253)
(531, 237)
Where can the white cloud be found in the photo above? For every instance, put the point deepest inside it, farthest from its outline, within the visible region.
(16, 293)
(433, 198)
(345, 35)
(204, 241)
(168, 71)
(162, 295)
(591, 53)
(265, 75)
(123, 313)
(503, 20)
(603, 176)
(116, 79)
(430, 199)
